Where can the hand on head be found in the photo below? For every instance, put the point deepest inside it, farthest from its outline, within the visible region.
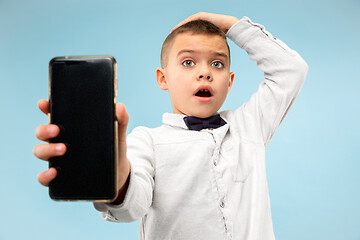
(223, 22)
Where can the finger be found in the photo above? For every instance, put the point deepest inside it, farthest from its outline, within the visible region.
(47, 151)
(189, 19)
(197, 16)
(46, 132)
(44, 106)
(123, 119)
(47, 176)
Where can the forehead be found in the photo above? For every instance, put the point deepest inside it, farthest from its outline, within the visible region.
(198, 43)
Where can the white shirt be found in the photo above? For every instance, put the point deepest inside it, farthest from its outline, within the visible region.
(212, 184)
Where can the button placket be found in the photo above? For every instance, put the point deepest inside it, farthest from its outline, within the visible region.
(221, 189)
(216, 153)
(215, 162)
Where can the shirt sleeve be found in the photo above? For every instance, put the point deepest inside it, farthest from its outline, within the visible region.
(284, 74)
(139, 194)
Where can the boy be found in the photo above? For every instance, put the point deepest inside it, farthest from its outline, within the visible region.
(204, 177)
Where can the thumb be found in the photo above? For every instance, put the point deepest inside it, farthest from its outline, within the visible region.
(123, 118)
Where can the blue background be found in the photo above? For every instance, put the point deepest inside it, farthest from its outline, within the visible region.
(312, 162)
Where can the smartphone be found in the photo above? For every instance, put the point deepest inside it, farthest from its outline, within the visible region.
(82, 96)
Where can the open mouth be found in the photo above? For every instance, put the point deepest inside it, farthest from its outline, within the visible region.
(203, 93)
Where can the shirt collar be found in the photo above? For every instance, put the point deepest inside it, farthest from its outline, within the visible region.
(175, 120)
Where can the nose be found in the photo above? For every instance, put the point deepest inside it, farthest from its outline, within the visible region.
(205, 74)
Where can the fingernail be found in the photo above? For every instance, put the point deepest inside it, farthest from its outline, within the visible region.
(49, 173)
(59, 148)
(51, 129)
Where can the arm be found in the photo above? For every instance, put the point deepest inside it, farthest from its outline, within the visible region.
(284, 71)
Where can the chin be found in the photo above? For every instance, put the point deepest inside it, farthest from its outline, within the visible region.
(200, 112)
(203, 114)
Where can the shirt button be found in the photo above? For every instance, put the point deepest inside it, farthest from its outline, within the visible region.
(215, 163)
(222, 204)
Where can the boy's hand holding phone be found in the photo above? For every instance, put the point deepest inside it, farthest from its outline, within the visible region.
(48, 150)
(86, 134)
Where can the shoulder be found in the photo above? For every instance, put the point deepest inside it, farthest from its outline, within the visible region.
(163, 135)
(150, 135)
(141, 132)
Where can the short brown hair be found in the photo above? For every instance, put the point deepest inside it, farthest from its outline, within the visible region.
(194, 27)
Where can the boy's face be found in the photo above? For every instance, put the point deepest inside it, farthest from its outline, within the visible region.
(197, 74)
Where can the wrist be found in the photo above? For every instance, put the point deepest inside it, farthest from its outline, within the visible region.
(122, 192)
(230, 22)
(123, 182)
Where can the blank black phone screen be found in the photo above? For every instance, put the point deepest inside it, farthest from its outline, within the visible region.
(82, 104)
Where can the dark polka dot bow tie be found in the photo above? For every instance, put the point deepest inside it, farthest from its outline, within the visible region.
(195, 123)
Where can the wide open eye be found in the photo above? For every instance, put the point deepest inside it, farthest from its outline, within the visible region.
(188, 63)
(217, 64)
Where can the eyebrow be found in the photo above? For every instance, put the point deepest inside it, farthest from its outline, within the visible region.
(220, 54)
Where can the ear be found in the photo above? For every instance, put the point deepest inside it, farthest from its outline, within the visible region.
(231, 80)
(161, 79)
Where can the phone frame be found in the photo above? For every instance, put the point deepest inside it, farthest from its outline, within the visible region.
(116, 140)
